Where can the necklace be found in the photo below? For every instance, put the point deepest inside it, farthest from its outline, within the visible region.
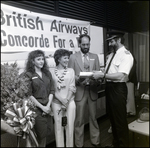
(60, 81)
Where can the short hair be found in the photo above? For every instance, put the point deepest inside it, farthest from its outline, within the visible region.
(122, 39)
(59, 53)
(83, 35)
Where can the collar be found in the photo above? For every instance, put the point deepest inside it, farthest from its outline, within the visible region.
(82, 54)
(120, 49)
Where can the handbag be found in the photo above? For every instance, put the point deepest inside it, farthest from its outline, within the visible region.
(64, 121)
(144, 114)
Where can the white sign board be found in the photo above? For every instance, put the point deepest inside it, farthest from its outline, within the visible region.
(23, 30)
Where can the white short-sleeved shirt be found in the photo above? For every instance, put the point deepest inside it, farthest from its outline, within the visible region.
(122, 62)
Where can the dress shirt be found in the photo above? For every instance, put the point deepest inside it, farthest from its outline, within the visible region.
(122, 62)
(82, 55)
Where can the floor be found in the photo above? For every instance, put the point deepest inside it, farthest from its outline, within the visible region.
(106, 138)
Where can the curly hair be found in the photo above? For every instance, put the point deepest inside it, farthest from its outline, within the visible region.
(30, 66)
(83, 35)
(59, 53)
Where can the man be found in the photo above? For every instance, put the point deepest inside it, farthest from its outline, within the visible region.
(86, 91)
(116, 76)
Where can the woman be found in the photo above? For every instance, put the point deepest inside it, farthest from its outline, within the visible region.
(63, 104)
(41, 92)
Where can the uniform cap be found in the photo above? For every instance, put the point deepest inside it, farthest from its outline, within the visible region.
(114, 34)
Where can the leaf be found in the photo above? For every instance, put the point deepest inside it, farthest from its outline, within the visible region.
(16, 90)
(7, 90)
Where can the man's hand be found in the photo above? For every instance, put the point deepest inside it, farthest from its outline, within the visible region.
(77, 79)
(98, 75)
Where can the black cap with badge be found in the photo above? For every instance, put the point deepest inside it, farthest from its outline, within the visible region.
(114, 34)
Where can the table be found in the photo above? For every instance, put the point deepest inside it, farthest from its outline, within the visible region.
(139, 127)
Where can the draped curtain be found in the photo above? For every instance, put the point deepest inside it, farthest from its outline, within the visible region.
(141, 52)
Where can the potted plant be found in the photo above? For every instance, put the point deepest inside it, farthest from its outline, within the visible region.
(14, 87)
(17, 110)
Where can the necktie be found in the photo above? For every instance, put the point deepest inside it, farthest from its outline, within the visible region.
(86, 63)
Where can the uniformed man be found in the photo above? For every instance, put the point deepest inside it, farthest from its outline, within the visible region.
(116, 73)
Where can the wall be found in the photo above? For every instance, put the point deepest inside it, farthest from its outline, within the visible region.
(107, 14)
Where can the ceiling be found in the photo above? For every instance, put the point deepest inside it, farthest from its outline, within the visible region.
(131, 1)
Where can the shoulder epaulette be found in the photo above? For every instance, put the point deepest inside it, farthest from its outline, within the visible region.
(29, 74)
(127, 52)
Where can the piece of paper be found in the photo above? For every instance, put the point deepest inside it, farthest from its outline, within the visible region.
(85, 74)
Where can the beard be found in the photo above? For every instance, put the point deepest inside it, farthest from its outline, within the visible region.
(113, 48)
(85, 50)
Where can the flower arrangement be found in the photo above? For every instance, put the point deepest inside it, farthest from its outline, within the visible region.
(14, 87)
(16, 107)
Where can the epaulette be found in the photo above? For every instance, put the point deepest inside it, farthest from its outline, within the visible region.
(127, 52)
(29, 74)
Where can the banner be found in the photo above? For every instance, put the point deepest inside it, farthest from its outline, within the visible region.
(23, 30)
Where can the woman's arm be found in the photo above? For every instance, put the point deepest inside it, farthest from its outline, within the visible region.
(70, 95)
(62, 100)
(72, 87)
(50, 100)
(45, 109)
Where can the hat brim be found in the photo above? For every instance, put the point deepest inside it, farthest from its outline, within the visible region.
(111, 37)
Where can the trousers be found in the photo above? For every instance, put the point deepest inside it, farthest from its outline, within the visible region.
(69, 128)
(116, 97)
(80, 120)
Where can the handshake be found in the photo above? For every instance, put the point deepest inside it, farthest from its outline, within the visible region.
(89, 78)
(92, 75)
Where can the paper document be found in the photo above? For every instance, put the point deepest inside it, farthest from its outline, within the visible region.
(85, 74)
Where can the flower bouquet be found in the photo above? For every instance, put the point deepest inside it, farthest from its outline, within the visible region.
(17, 109)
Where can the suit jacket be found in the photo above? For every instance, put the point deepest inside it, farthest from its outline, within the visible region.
(76, 63)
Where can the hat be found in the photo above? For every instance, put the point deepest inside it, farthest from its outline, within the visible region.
(114, 34)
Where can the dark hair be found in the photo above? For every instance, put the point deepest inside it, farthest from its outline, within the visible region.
(83, 35)
(30, 66)
(59, 53)
(122, 39)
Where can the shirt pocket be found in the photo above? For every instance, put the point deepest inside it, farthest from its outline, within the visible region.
(116, 63)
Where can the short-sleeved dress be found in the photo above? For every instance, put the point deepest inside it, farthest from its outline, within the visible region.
(40, 89)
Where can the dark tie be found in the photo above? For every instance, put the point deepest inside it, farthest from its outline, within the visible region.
(109, 63)
(86, 63)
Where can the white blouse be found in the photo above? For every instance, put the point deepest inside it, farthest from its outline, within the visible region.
(68, 83)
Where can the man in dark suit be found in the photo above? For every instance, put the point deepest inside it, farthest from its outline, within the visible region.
(85, 61)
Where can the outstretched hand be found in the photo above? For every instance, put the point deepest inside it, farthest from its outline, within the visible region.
(97, 75)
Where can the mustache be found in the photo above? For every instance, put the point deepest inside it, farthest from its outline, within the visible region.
(86, 49)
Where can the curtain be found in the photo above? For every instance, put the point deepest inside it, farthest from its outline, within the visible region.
(141, 53)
